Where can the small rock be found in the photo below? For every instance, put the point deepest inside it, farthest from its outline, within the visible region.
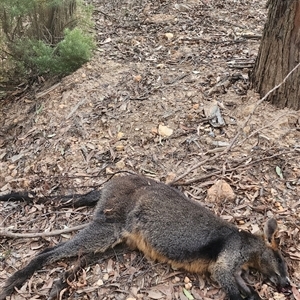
(14, 173)
(105, 276)
(188, 286)
(169, 36)
(182, 7)
(137, 78)
(164, 131)
(120, 164)
(119, 146)
(120, 135)
(109, 171)
(160, 66)
(99, 282)
(154, 130)
(170, 177)
(186, 279)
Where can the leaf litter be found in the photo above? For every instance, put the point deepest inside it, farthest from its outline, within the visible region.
(142, 104)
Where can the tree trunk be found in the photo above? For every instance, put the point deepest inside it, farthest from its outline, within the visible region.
(279, 53)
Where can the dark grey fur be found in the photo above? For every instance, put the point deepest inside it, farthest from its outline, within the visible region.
(180, 230)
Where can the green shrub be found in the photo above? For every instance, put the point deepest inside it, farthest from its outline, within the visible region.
(67, 56)
(74, 50)
(41, 37)
(33, 56)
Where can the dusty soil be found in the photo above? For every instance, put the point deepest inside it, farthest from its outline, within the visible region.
(144, 104)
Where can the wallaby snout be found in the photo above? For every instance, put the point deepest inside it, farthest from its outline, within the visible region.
(283, 284)
(273, 265)
(280, 281)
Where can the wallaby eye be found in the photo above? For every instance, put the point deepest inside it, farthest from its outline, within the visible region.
(279, 260)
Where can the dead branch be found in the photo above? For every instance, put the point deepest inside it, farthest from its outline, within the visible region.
(7, 233)
(46, 92)
(240, 167)
(82, 101)
(199, 164)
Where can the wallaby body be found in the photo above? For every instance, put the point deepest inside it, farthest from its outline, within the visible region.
(168, 227)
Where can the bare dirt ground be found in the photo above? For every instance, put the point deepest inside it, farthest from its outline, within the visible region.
(144, 104)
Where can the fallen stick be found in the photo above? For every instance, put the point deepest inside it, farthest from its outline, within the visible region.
(7, 233)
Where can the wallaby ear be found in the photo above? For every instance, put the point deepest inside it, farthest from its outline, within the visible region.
(270, 231)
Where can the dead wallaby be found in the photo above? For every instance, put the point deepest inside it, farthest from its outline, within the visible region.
(168, 227)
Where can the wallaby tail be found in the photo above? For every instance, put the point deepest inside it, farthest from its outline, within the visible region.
(97, 237)
(22, 275)
(74, 200)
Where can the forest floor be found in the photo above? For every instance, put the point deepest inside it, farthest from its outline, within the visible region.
(144, 104)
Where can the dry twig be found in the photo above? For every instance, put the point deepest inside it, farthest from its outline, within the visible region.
(7, 233)
(239, 167)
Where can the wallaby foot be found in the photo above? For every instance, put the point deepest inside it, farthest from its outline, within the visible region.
(246, 290)
(254, 296)
(86, 260)
(57, 287)
(72, 274)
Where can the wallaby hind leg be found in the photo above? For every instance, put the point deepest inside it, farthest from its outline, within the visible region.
(97, 237)
(71, 274)
(87, 260)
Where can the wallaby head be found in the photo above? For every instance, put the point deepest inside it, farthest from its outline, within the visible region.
(272, 264)
(169, 227)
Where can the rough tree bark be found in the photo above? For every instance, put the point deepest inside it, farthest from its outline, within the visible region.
(45, 21)
(279, 53)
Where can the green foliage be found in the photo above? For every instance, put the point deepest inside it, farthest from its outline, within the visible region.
(35, 56)
(45, 37)
(67, 56)
(16, 8)
(74, 50)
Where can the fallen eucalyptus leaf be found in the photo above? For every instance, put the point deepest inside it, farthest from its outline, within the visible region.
(188, 294)
(279, 172)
